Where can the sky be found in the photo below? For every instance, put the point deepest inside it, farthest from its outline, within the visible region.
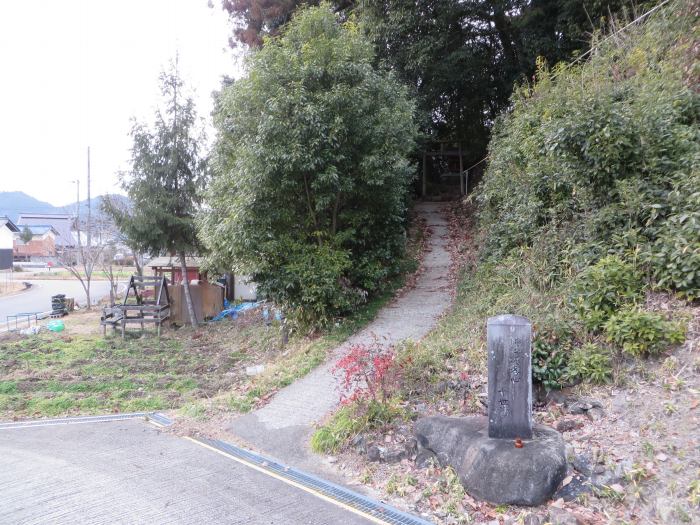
(73, 73)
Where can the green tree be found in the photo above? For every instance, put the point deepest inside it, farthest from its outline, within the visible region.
(26, 235)
(165, 180)
(310, 170)
(461, 59)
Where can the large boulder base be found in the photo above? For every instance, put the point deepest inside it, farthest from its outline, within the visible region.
(492, 469)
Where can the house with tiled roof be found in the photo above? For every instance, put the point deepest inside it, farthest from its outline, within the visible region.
(35, 242)
(61, 223)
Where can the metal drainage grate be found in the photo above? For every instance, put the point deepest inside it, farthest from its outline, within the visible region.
(72, 420)
(159, 419)
(370, 507)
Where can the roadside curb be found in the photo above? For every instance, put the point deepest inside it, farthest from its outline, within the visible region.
(30, 423)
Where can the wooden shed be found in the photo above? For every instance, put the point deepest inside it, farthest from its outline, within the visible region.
(207, 299)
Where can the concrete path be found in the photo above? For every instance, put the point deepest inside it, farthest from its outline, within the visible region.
(130, 472)
(283, 427)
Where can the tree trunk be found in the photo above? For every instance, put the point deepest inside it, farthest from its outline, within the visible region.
(186, 287)
(137, 263)
(112, 287)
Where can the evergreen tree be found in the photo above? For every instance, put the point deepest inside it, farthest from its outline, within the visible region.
(165, 180)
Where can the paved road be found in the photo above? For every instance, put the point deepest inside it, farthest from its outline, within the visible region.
(282, 428)
(130, 472)
(38, 297)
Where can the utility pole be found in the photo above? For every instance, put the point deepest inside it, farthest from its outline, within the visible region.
(77, 217)
(89, 219)
(89, 231)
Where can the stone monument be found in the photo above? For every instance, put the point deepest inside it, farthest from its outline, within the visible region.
(510, 377)
(503, 458)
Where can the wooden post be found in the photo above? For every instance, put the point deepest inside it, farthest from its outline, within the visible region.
(462, 189)
(425, 170)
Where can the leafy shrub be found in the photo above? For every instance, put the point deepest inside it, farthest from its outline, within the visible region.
(369, 373)
(639, 332)
(310, 171)
(603, 158)
(370, 377)
(309, 282)
(675, 255)
(603, 288)
(550, 349)
(591, 363)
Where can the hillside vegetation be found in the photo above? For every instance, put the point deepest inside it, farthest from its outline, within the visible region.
(589, 208)
(587, 223)
(592, 193)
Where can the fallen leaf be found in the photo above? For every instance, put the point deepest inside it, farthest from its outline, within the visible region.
(470, 501)
(566, 481)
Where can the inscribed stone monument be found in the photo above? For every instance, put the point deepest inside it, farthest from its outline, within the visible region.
(510, 377)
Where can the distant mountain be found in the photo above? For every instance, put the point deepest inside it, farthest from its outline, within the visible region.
(96, 204)
(12, 203)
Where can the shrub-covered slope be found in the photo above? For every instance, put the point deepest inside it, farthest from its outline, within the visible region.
(604, 158)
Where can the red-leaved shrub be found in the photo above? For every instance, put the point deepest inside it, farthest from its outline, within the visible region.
(368, 373)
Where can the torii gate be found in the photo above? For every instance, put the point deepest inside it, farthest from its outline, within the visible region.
(442, 152)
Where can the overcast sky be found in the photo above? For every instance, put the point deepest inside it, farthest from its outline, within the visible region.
(74, 72)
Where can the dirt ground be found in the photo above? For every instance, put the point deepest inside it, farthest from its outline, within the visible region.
(78, 371)
(10, 287)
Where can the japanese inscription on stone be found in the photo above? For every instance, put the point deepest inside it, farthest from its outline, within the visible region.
(510, 377)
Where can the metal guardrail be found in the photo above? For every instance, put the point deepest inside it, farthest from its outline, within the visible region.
(37, 316)
(28, 316)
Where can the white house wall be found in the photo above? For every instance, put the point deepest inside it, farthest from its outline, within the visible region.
(244, 289)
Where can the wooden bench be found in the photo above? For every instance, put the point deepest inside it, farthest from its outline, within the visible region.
(112, 316)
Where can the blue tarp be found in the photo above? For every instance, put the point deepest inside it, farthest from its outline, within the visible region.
(233, 311)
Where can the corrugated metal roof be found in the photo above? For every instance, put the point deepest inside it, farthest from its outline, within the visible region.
(174, 262)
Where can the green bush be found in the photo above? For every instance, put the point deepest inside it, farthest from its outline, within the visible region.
(602, 289)
(309, 281)
(639, 332)
(590, 363)
(675, 255)
(550, 349)
(310, 171)
(603, 158)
